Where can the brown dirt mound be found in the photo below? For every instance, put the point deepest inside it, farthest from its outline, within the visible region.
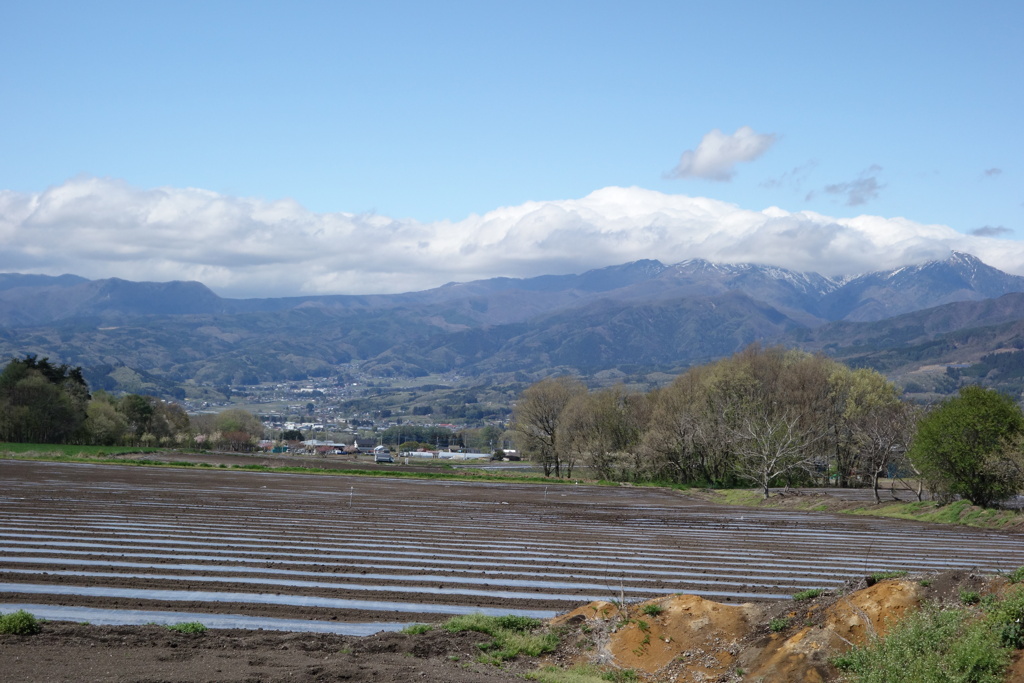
(682, 632)
(825, 629)
(697, 640)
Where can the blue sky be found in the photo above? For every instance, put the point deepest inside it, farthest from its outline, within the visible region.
(430, 123)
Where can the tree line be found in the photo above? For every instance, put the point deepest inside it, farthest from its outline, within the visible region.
(770, 417)
(41, 402)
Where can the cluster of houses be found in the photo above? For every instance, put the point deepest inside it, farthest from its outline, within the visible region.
(364, 446)
(317, 447)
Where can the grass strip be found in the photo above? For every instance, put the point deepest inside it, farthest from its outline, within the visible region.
(72, 450)
(959, 512)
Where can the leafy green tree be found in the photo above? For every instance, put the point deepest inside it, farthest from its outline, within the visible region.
(105, 425)
(432, 437)
(136, 419)
(138, 412)
(292, 435)
(482, 439)
(171, 422)
(963, 447)
(41, 402)
(239, 429)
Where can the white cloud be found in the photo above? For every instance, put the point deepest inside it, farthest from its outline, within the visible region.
(247, 247)
(717, 154)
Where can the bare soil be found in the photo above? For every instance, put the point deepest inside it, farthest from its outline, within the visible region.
(76, 652)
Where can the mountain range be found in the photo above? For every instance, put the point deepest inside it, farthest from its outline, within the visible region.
(627, 320)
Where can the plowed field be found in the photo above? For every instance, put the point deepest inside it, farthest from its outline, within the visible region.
(231, 548)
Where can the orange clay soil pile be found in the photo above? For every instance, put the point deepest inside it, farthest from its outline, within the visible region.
(686, 638)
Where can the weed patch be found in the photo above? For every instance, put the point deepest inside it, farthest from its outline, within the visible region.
(970, 597)
(512, 636)
(930, 645)
(416, 629)
(585, 673)
(808, 594)
(190, 627)
(875, 577)
(972, 643)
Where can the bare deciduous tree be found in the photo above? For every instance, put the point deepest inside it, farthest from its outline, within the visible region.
(602, 429)
(536, 420)
(884, 435)
(770, 446)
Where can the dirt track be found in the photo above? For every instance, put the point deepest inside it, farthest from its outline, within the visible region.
(355, 555)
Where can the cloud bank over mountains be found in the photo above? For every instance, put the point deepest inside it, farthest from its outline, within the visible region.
(244, 247)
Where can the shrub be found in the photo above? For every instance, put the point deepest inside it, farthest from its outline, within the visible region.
(192, 627)
(1016, 576)
(20, 623)
(808, 594)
